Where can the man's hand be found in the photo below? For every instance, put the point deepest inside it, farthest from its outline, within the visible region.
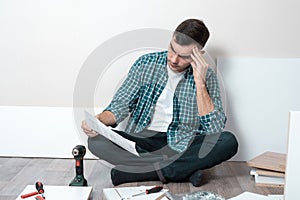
(105, 117)
(87, 130)
(199, 66)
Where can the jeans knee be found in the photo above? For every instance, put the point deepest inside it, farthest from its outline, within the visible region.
(92, 145)
(231, 141)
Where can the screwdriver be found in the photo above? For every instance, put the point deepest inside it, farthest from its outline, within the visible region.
(149, 191)
(40, 189)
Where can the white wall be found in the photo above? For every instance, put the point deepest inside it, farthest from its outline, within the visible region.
(43, 44)
(259, 93)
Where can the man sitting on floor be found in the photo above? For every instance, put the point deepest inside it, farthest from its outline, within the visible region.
(176, 115)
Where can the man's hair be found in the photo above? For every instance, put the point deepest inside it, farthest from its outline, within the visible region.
(191, 31)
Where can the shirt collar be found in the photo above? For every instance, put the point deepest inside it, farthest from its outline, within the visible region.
(188, 72)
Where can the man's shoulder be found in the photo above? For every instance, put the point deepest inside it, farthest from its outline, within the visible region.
(154, 56)
(150, 62)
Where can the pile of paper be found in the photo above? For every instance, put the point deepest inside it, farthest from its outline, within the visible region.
(268, 169)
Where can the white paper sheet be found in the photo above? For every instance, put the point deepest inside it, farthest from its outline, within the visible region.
(275, 197)
(249, 196)
(100, 128)
(127, 192)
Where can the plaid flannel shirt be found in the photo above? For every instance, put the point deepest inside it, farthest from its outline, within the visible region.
(140, 91)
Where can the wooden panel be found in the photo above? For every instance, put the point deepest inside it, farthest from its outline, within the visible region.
(270, 161)
(270, 173)
(293, 158)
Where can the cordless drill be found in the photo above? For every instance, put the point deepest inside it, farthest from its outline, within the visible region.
(78, 153)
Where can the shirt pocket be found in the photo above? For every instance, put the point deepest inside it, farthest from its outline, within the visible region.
(188, 111)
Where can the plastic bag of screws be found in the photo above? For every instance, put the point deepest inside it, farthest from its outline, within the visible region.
(202, 195)
(199, 195)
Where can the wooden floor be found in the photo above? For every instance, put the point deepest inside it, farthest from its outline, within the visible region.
(228, 179)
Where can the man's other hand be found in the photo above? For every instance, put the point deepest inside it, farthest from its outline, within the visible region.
(87, 130)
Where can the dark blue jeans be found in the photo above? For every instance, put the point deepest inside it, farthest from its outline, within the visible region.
(203, 152)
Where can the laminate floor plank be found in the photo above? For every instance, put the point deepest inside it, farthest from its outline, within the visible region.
(10, 167)
(242, 172)
(27, 174)
(220, 180)
(179, 188)
(97, 174)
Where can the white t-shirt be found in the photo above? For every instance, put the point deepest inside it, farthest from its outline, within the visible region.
(163, 111)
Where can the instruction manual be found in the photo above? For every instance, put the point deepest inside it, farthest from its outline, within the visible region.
(121, 193)
(103, 130)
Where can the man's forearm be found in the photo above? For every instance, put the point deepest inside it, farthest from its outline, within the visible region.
(204, 102)
(107, 118)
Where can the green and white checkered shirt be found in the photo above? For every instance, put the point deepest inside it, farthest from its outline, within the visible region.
(139, 93)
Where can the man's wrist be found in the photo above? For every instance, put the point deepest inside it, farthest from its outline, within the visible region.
(98, 117)
(200, 85)
(107, 118)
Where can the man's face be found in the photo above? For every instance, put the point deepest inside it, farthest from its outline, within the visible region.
(179, 56)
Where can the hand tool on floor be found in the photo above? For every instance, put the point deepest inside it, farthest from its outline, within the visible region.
(78, 153)
(29, 194)
(39, 187)
(149, 191)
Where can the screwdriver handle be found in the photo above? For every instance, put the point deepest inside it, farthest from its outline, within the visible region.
(154, 189)
(39, 187)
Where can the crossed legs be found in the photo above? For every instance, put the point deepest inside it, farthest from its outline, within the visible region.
(159, 162)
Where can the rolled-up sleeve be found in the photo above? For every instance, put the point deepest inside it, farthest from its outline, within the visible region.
(213, 122)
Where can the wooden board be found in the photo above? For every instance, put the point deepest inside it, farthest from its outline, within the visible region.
(269, 185)
(267, 178)
(269, 173)
(269, 161)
